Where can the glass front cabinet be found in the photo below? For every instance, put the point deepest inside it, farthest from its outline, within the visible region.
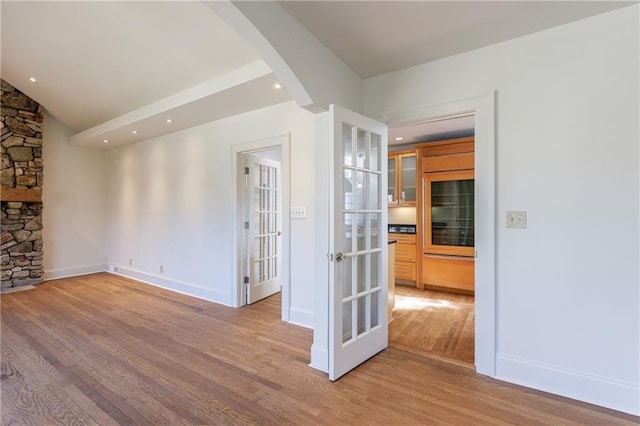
(449, 213)
(402, 169)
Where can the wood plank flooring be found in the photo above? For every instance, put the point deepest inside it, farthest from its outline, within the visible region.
(434, 322)
(105, 350)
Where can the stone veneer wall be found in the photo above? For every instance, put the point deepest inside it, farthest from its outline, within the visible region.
(21, 124)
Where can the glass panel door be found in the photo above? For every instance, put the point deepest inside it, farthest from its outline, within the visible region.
(263, 226)
(358, 293)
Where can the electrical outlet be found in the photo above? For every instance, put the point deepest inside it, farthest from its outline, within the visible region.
(130, 262)
(516, 219)
(161, 269)
(298, 212)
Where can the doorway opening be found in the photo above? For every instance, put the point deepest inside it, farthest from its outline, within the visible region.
(434, 311)
(261, 238)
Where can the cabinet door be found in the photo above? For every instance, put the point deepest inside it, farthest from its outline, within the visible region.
(449, 213)
(408, 178)
(392, 188)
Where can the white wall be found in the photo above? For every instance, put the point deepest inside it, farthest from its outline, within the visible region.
(170, 198)
(74, 201)
(567, 139)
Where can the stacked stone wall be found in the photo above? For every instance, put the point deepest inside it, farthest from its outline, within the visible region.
(21, 244)
(21, 125)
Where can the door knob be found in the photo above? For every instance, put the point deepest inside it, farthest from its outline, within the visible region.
(339, 257)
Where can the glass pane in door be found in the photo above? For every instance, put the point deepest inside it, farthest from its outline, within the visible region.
(375, 313)
(347, 145)
(374, 193)
(363, 302)
(374, 154)
(361, 149)
(347, 288)
(375, 277)
(347, 326)
(347, 242)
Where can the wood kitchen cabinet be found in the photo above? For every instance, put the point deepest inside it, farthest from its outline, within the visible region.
(405, 261)
(403, 178)
(447, 215)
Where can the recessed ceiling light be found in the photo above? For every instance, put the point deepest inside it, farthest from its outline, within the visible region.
(398, 138)
(135, 132)
(169, 120)
(106, 141)
(33, 79)
(278, 86)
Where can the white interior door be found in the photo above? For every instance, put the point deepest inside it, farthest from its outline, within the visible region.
(358, 227)
(263, 225)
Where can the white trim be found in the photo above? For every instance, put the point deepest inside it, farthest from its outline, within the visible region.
(303, 318)
(319, 358)
(188, 289)
(323, 156)
(602, 391)
(54, 274)
(282, 141)
(485, 275)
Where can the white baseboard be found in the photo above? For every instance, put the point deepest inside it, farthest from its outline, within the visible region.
(602, 391)
(188, 289)
(54, 274)
(319, 358)
(301, 317)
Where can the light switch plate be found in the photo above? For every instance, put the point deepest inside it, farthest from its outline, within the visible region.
(298, 212)
(516, 219)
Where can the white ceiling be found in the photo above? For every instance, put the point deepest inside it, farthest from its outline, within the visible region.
(432, 130)
(105, 68)
(95, 61)
(377, 37)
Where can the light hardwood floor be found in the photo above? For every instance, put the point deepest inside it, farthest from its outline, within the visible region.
(102, 349)
(434, 322)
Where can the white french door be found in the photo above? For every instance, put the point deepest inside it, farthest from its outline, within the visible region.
(358, 228)
(263, 224)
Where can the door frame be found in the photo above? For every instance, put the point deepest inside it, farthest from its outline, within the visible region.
(237, 164)
(483, 107)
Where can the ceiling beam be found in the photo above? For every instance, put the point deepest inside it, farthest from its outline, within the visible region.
(207, 101)
(313, 75)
